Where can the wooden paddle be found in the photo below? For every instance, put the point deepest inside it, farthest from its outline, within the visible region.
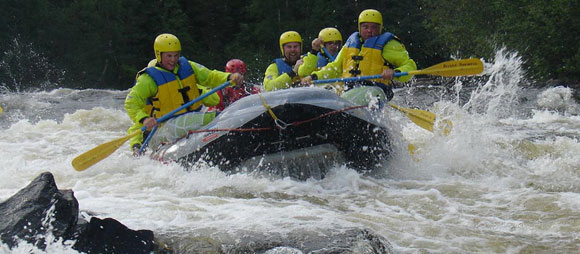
(102, 151)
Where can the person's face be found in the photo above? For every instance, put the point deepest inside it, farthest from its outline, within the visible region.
(368, 30)
(332, 47)
(169, 60)
(292, 51)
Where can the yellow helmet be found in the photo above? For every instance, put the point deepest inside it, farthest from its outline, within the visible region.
(372, 16)
(290, 36)
(165, 43)
(330, 34)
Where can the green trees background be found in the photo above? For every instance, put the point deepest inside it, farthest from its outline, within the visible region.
(103, 43)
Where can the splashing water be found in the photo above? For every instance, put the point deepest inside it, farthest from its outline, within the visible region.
(505, 180)
(25, 68)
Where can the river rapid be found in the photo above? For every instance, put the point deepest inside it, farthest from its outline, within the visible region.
(505, 180)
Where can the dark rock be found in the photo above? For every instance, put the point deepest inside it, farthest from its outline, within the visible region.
(41, 209)
(110, 236)
(320, 241)
(36, 210)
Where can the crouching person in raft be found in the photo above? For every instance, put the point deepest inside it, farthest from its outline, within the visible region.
(167, 83)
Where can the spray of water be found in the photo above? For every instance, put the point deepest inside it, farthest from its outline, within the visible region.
(471, 148)
(500, 182)
(495, 98)
(23, 68)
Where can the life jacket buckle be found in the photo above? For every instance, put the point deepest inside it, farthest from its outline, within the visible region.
(357, 58)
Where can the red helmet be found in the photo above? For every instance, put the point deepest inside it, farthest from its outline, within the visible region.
(236, 66)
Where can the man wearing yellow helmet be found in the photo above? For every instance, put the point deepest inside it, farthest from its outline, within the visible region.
(368, 52)
(286, 71)
(331, 38)
(168, 82)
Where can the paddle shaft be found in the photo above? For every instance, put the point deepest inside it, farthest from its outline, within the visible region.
(144, 145)
(201, 97)
(102, 151)
(451, 68)
(170, 114)
(396, 74)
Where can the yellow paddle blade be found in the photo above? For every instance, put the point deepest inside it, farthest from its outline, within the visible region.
(424, 119)
(446, 125)
(1, 110)
(100, 152)
(453, 68)
(412, 149)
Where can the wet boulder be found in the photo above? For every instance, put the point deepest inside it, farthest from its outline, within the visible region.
(320, 241)
(37, 209)
(110, 236)
(41, 210)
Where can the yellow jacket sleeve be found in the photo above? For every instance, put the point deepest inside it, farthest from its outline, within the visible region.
(396, 54)
(211, 100)
(273, 81)
(135, 101)
(309, 65)
(331, 70)
(208, 79)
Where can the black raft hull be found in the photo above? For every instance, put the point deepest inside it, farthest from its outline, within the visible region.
(316, 130)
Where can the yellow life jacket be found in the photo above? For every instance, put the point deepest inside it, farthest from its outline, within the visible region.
(173, 90)
(365, 59)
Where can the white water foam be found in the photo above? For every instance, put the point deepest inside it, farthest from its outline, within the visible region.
(503, 181)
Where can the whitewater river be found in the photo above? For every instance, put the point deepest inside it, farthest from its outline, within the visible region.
(506, 180)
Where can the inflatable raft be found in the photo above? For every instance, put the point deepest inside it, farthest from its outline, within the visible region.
(298, 133)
